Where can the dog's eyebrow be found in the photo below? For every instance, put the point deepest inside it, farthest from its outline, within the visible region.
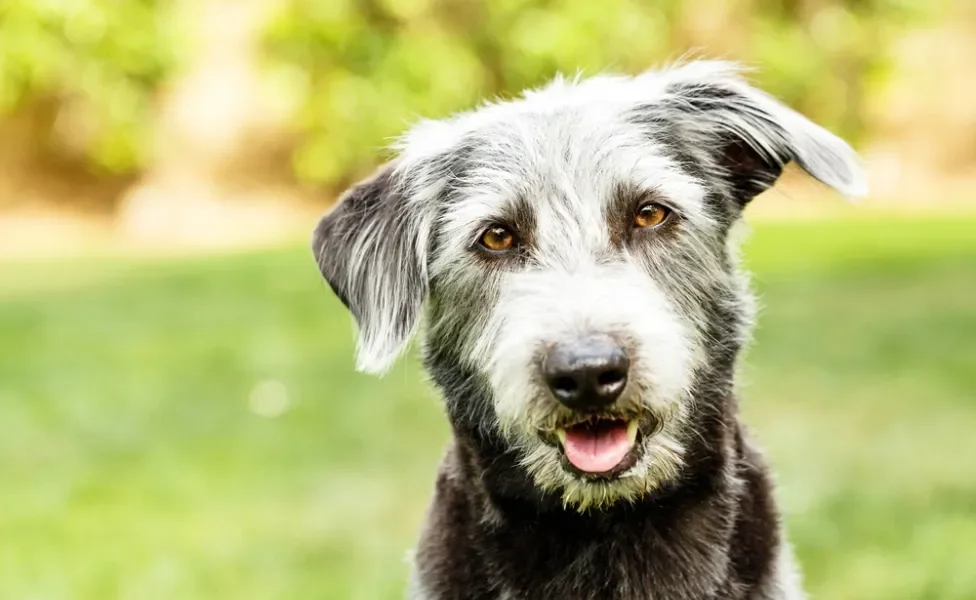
(627, 194)
(522, 213)
(472, 209)
(654, 172)
(514, 211)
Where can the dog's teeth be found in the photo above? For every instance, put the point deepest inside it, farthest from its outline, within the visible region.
(632, 431)
(561, 434)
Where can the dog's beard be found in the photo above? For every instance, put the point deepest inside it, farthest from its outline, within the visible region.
(655, 457)
(538, 427)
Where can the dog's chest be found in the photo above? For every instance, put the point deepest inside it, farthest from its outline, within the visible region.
(623, 566)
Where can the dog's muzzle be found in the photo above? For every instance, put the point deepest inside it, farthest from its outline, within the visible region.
(588, 376)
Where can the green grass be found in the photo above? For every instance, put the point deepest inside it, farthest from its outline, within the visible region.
(144, 453)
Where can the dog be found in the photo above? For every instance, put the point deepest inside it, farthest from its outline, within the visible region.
(570, 257)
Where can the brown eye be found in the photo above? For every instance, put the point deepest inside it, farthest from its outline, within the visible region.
(497, 238)
(650, 215)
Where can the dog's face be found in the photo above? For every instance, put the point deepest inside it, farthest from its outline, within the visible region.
(571, 251)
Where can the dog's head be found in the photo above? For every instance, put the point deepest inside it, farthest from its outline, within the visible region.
(571, 253)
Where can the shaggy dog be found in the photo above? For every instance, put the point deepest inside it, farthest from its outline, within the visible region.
(571, 256)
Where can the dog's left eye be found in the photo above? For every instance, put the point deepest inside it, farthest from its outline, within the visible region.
(651, 215)
(497, 238)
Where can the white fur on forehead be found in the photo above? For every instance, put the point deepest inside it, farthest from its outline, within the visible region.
(565, 146)
(603, 93)
(612, 94)
(612, 97)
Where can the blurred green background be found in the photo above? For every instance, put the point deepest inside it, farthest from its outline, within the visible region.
(179, 415)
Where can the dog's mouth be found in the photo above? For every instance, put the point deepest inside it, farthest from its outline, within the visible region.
(598, 446)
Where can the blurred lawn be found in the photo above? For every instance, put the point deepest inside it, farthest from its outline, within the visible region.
(193, 429)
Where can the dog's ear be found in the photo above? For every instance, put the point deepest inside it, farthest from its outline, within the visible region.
(750, 136)
(372, 249)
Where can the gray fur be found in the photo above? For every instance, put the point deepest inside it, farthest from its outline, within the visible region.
(566, 167)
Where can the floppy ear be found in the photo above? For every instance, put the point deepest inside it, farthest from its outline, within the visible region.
(750, 136)
(371, 249)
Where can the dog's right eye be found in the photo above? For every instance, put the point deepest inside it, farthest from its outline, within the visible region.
(651, 215)
(497, 238)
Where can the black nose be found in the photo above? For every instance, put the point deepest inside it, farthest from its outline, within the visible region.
(586, 374)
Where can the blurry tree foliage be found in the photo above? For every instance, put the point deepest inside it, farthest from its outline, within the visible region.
(99, 62)
(362, 69)
(359, 71)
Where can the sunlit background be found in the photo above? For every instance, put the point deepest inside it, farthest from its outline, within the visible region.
(179, 415)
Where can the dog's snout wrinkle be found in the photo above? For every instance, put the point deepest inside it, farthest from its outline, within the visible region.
(587, 374)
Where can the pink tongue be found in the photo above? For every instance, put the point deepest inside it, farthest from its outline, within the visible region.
(597, 449)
